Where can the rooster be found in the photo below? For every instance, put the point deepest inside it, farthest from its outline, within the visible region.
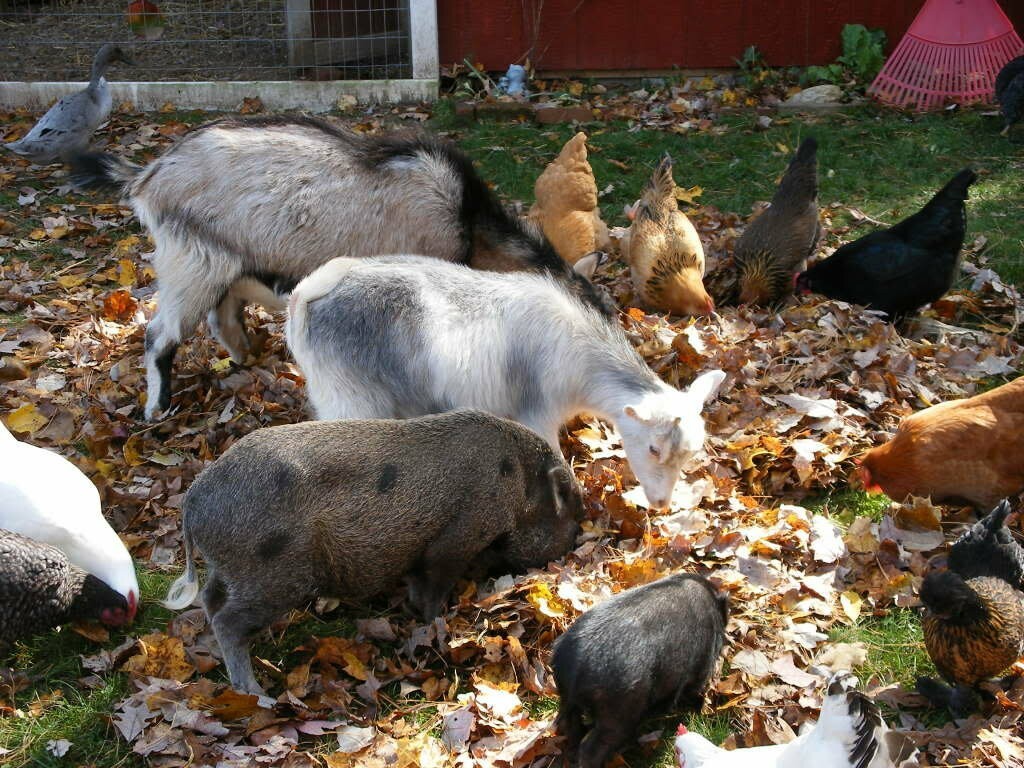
(776, 245)
(665, 254)
(1010, 92)
(900, 269)
(40, 589)
(961, 450)
(145, 19)
(566, 207)
(850, 733)
(44, 497)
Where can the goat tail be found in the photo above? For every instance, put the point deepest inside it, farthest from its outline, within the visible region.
(97, 170)
(315, 285)
(185, 588)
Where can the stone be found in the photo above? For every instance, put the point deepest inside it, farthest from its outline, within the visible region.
(815, 96)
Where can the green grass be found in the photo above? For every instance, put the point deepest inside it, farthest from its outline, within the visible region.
(845, 505)
(80, 715)
(881, 162)
(895, 646)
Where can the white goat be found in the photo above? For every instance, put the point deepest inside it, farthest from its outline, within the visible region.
(402, 336)
(242, 209)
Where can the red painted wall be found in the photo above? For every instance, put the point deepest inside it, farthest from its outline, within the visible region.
(661, 34)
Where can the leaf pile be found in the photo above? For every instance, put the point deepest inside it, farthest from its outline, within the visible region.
(808, 388)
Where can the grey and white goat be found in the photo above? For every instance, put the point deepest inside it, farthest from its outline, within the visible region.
(401, 336)
(242, 209)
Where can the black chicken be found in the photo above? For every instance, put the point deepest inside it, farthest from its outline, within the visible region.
(776, 245)
(900, 269)
(988, 548)
(1010, 92)
(40, 588)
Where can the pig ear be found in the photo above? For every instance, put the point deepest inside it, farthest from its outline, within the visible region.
(706, 385)
(588, 264)
(559, 479)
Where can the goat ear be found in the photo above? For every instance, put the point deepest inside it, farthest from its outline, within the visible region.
(638, 413)
(588, 264)
(706, 385)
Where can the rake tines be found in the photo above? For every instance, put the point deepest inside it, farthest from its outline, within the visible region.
(952, 52)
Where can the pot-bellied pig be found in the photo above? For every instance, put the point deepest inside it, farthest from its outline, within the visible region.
(400, 336)
(645, 650)
(348, 508)
(242, 209)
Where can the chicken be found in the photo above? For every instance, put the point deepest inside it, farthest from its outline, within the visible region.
(145, 19)
(900, 269)
(962, 450)
(973, 630)
(664, 251)
(45, 497)
(566, 207)
(850, 733)
(775, 246)
(988, 548)
(1010, 92)
(40, 589)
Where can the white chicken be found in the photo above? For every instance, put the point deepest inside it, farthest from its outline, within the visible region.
(45, 497)
(850, 733)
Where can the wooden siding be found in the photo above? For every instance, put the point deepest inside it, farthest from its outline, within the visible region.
(661, 34)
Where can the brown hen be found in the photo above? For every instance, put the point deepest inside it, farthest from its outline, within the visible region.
(664, 251)
(566, 207)
(962, 450)
(775, 246)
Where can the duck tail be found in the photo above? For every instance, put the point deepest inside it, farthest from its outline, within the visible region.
(96, 170)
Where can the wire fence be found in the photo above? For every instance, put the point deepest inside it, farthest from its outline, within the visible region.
(55, 40)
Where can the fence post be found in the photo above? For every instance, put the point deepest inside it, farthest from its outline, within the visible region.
(300, 33)
(423, 31)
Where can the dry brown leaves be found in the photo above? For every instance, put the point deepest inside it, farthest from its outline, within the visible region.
(808, 388)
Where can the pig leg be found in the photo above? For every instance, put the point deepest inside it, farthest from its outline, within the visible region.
(240, 618)
(445, 560)
(570, 724)
(614, 722)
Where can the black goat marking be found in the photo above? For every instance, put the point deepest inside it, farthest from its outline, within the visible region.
(273, 545)
(388, 478)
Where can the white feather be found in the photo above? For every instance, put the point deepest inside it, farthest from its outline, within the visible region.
(47, 498)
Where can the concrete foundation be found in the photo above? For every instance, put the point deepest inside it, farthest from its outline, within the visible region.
(275, 95)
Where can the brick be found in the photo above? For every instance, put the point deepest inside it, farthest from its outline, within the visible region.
(551, 115)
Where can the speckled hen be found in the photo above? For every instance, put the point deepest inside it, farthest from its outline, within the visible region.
(40, 589)
(775, 246)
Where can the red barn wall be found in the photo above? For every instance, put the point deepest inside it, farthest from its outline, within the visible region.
(615, 35)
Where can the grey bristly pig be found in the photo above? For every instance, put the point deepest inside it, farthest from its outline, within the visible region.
(645, 650)
(348, 508)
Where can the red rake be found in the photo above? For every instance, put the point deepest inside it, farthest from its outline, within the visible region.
(952, 52)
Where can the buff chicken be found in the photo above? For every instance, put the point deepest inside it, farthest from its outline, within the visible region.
(664, 251)
(962, 450)
(566, 203)
(775, 246)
